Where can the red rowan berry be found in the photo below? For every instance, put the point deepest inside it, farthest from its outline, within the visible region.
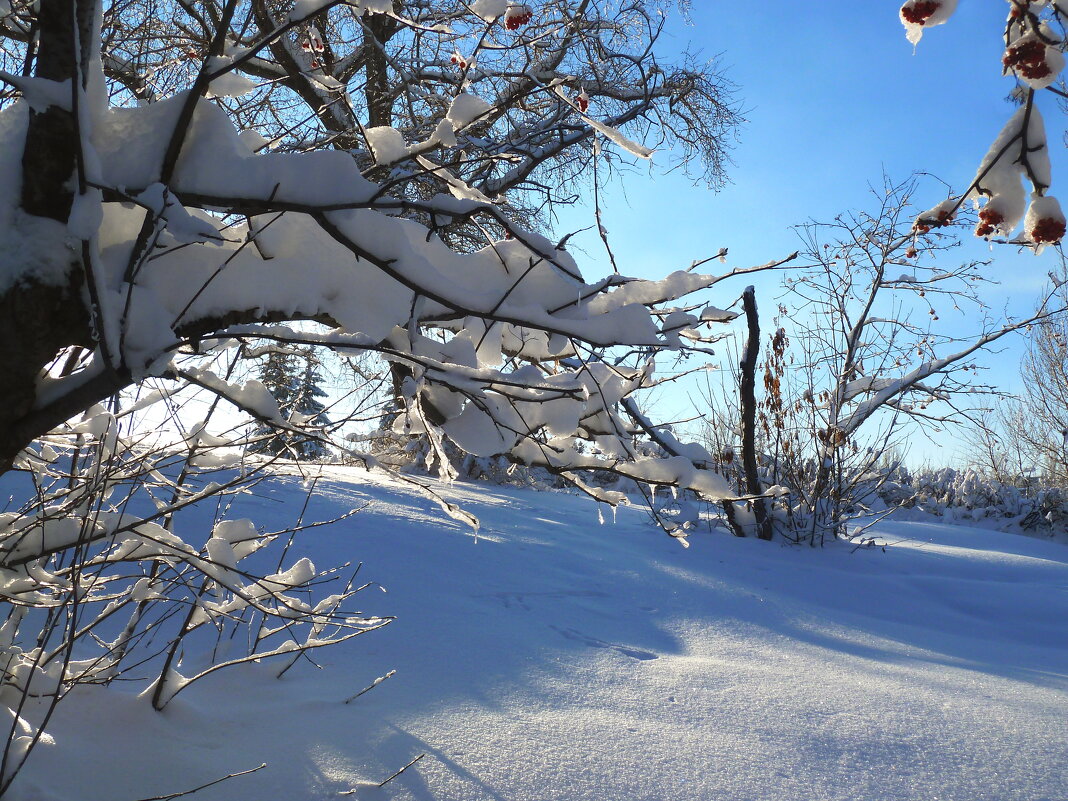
(1048, 230)
(919, 12)
(1027, 56)
(989, 220)
(517, 16)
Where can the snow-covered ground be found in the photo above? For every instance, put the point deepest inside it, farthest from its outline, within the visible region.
(559, 658)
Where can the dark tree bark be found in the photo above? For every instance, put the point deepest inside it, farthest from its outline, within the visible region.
(377, 30)
(753, 485)
(48, 159)
(39, 318)
(732, 519)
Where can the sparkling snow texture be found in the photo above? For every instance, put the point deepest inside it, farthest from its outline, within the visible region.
(555, 658)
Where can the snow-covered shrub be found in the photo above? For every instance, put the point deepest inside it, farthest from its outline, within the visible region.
(975, 495)
(123, 561)
(856, 359)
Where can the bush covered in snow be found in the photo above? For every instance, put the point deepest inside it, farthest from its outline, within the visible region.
(969, 494)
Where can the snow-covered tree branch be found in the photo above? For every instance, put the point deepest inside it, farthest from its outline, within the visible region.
(180, 181)
(1034, 57)
(175, 229)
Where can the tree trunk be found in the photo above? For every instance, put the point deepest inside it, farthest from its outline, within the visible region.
(753, 485)
(378, 29)
(40, 317)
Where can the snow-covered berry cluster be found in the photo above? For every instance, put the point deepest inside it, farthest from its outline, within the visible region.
(312, 42)
(919, 11)
(940, 215)
(990, 222)
(1048, 230)
(517, 16)
(459, 61)
(1045, 223)
(1018, 159)
(1034, 59)
(1027, 56)
(916, 15)
(582, 100)
(1000, 183)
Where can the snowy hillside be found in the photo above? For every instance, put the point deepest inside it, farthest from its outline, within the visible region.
(554, 657)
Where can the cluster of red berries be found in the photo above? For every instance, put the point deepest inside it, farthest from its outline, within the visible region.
(1047, 230)
(517, 16)
(989, 220)
(919, 12)
(1027, 56)
(459, 61)
(582, 100)
(313, 43)
(923, 226)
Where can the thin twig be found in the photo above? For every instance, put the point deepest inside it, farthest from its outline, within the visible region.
(371, 686)
(399, 772)
(205, 786)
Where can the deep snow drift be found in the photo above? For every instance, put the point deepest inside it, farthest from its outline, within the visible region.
(558, 658)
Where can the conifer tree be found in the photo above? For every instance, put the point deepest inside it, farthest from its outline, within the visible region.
(278, 374)
(310, 408)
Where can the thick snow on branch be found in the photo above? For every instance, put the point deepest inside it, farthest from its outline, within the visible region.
(193, 241)
(1034, 57)
(363, 269)
(883, 391)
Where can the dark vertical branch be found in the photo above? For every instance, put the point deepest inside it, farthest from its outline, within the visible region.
(748, 401)
(732, 518)
(377, 30)
(49, 156)
(39, 319)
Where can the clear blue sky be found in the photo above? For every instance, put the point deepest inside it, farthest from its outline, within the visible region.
(834, 97)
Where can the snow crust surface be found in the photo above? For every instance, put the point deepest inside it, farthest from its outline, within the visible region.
(556, 658)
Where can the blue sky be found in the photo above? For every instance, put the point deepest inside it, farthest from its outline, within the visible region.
(834, 98)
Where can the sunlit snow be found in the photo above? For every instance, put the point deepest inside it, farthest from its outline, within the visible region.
(558, 658)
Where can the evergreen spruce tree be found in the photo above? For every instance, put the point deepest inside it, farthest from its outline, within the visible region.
(278, 374)
(307, 404)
